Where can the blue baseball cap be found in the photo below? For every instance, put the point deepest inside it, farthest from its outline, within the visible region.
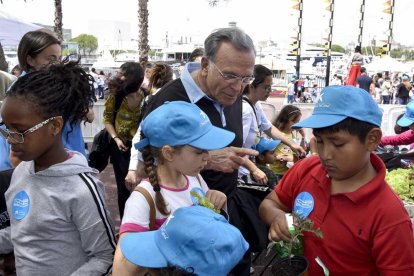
(265, 144)
(180, 123)
(338, 102)
(408, 118)
(193, 238)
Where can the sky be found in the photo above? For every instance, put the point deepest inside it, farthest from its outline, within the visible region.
(261, 19)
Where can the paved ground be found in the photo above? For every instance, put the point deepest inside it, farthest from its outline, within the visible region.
(107, 176)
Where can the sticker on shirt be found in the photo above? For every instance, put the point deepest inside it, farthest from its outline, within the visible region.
(196, 195)
(303, 204)
(20, 205)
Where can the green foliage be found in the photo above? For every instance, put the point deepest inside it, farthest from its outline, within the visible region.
(66, 52)
(402, 182)
(399, 53)
(402, 53)
(296, 245)
(335, 47)
(87, 43)
(338, 48)
(203, 201)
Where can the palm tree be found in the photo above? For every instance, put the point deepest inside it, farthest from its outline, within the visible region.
(58, 20)
(143, 47)
(3, 63)
(214, 3)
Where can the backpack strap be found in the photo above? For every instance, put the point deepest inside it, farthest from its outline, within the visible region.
(259, 126)
(198, 179)
(151, 204)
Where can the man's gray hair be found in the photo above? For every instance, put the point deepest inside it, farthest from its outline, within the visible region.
(239, 39)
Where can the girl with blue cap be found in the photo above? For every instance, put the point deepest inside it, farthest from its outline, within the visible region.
(177, 138)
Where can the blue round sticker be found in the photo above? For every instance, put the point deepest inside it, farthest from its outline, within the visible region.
(198, 191)
(20, 205)
(303, 204)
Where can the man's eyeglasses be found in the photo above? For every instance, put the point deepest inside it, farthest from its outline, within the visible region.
(18, 137)
(233, 78)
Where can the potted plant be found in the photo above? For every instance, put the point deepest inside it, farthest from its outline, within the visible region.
(289, 259)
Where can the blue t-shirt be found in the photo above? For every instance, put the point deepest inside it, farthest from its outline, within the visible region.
(364, 82)
(73, 139)
(5, 151)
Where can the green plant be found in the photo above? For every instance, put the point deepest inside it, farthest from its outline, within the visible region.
(295, 246)
(204, 201)
(402, 182)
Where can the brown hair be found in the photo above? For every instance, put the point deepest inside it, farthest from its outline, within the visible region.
(148, 153)
(287, 113)
(31, 44)
(160, 75)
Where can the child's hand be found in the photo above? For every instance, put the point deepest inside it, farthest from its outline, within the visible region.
(279, 229)
(217, 198)
(259, 176)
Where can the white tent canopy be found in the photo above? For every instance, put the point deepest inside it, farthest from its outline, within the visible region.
(387, 63)
(12, 29)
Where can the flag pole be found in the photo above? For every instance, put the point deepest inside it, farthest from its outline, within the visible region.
(328, 59)
(299, 39)
(361, 23)
(390, 27)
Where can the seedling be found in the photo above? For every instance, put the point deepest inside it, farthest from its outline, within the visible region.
(295, 246)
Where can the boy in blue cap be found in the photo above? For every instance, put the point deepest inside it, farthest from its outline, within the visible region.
(266, 148)
(365, 226)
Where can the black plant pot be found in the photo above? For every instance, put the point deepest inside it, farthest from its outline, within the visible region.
(286, 266)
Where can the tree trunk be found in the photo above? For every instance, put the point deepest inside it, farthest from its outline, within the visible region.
(143, 46)
(58, 19)
(3, 63)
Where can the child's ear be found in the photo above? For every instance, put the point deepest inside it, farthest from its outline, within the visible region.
(261, 157)
(167, 153)
(57, 125)
(373, 138)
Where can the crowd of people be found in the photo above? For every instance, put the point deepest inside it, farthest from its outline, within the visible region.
(204, 179)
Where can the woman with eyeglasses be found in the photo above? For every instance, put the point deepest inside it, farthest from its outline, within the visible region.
(255, 123)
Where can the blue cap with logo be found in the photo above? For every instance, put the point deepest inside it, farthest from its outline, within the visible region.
(194, 238)
(408, 118)
(180, 123)
(265, 144)
(337, 102)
